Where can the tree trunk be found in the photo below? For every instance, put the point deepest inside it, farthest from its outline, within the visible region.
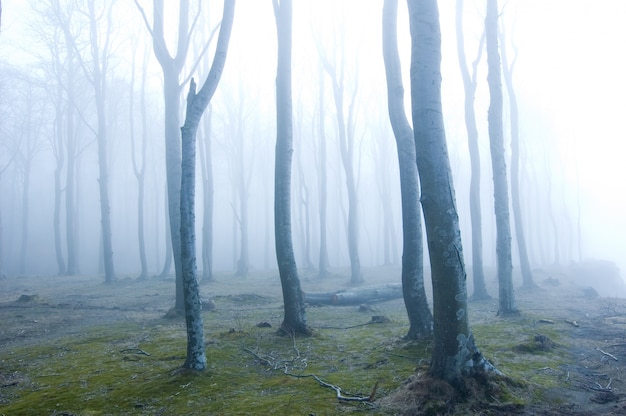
(206, 162)
(59, 152)
(323, 185)
(455, 354)
(25, 211)
(71, 217)
(196, 104)
(498, 164)
(527, 276)
(139, 168)
(414, 293)
(196, 356)
(346, 147)
(295, 314)
(469, 84)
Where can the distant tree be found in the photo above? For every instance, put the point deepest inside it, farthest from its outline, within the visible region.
(139, 161)
(206, 168)
(95, 66)
(455, 354)
(414, 293)
(196, 104)
(498, 164)
(323, 183)
(295, 313)
(469, 84)
(345, 129)
(28, 139)
(507, 70)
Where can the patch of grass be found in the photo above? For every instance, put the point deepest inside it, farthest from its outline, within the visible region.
(106, 371)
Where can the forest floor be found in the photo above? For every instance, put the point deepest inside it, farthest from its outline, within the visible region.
(77, 346)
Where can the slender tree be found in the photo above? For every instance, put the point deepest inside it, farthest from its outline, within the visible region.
(498, 165)
(347, 148)
(295, 313)
(196, 104)
(323, 183)
(172, 67)
(139, 161)
(469, 84)
(206, 163)
(420, 317)
(507, 70)
(455, 354)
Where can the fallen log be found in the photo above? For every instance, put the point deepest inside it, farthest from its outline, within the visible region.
(355, 296)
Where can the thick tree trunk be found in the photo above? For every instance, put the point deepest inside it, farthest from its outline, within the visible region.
(420, 317)
(527, 276)
(469, 84)
(455, 354)
(498, 164)
(295, 312)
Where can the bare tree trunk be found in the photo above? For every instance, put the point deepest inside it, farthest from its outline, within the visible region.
(323, 185)
(71, 217)
(527, 275)
(455, 354)
(414, 293)
(25, 213)
(469, 83)
(59, 153)
(347, 150)
(206, 162)
(295, 313)
(196, 104)
(498, 164)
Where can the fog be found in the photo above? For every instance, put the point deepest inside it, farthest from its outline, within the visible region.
(568, 79)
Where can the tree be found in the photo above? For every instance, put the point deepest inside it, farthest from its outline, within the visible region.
(95, 68)
(345, 128)
(172, 67)
(196, 104)
(139, 162)
(498, 165)
(507, 70)
(323, 183)
(206, 167)
(295, 313)
(455, 354)
(469, 84)
(414, 293)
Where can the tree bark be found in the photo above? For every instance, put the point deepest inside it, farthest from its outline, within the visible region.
(498, 164)
(414, 293)
(323, 185)
(527, 275)
(469, 84)
(455, 354)
(206, 162)
(295, 313)
(196, 104)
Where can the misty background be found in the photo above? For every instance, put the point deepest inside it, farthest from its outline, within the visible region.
(568, 78)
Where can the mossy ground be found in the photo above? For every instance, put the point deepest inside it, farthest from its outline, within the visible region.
(85, 348)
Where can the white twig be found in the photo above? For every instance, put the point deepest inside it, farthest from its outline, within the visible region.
(607, 354)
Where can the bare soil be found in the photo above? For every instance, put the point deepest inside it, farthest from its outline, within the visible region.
(588, 332)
